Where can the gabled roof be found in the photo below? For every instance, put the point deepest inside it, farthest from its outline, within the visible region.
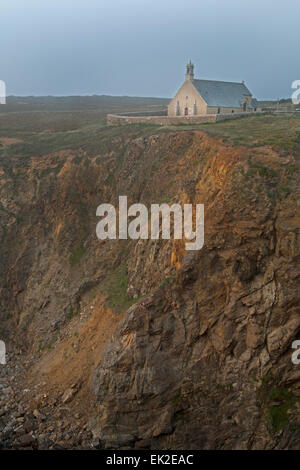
(224, 94)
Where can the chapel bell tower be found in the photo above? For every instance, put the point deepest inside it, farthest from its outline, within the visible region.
(189, 71)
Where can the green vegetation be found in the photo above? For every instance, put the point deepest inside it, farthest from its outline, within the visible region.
(282, 132)
(74, 104)
(115, 287)
(263, 171)
(48, 345)
(71, 313)
(45, 125)
(278, 401)
(258, 180)
(95, 139)
(167, 281)
(76, 255)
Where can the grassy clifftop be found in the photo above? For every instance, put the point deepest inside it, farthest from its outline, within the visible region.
(46, 125)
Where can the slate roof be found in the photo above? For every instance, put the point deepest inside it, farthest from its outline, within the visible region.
(223, 94)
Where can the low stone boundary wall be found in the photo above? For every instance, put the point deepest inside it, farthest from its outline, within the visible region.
(161, 112)
(172, 121)
(161, 120)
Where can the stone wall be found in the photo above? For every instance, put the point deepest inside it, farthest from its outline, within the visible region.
(223, 110)
(118, 119)
(161, 120)
(157, 112)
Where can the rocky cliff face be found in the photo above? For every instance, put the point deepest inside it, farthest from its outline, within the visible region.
(169, 349)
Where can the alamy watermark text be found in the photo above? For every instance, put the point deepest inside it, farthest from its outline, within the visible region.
(134, 223)
(2, 92)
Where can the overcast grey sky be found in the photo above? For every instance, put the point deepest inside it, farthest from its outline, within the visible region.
(140, 47)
